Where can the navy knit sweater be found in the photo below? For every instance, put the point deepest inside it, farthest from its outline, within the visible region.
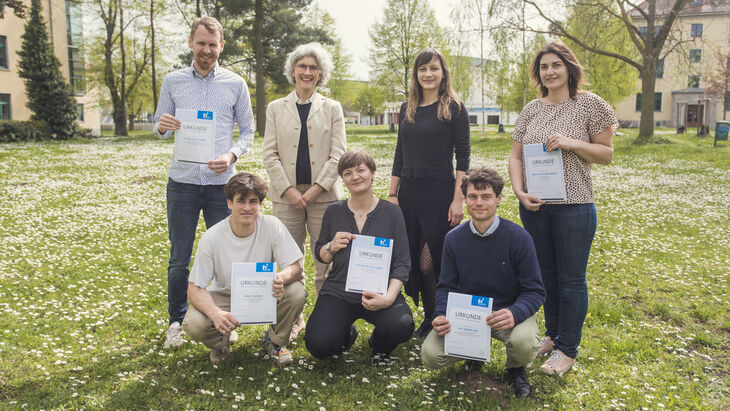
(502, 266)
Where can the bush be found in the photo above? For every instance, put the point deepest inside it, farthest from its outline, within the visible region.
(11, 130)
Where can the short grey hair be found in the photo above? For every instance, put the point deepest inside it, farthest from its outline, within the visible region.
(313, 49)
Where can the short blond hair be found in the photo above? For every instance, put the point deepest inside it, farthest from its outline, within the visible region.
(210, 23)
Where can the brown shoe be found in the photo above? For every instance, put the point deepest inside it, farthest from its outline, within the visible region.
(297, 327)
(558, 363)
(546, 346)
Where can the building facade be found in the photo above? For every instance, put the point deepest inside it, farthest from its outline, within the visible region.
(684, 96)
(63, 18)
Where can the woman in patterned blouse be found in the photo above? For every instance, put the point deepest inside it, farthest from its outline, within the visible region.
(581, 125)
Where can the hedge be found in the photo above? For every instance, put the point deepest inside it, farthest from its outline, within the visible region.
(11, 130)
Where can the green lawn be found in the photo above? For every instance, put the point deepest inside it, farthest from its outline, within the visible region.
(83, 303)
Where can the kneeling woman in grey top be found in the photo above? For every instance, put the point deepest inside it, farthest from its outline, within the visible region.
(330, 328)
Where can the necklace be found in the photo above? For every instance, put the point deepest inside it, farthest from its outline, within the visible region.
(359, 213)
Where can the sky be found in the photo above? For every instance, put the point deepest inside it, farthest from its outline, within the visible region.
(353, 18)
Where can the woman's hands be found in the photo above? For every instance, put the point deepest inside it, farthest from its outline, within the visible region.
(373, 301)
(529, 201)
(456, 212)
(341, 240)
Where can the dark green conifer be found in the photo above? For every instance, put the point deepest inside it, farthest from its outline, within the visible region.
(50, 97)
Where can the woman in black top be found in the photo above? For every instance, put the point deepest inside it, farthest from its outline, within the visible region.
(434, 126)
(330, 328)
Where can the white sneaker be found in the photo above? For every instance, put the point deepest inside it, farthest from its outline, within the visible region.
(546, 346)
(174, 336)
(558, 363)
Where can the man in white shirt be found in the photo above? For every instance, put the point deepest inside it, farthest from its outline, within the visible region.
(245, 236)
(191, 187)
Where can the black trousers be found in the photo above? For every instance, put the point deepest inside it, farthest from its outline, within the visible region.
(328, 328)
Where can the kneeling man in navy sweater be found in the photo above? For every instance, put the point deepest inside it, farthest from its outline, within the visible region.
(491, 257)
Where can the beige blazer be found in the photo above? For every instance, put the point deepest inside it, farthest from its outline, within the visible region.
(326, 134)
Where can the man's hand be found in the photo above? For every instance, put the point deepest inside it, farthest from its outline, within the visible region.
(501, 320)
(277, 288)
(168, 122)
(224, 322)
(221, 164)
(295, 198)
(373, 301)
(312, 193)
(441, 325)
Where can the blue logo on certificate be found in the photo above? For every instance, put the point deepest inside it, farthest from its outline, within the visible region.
(382, 242)
(205, 115)
(480, 301)
(264, 267)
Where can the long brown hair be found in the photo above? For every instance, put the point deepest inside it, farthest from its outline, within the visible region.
(447, 94)
(576, 76)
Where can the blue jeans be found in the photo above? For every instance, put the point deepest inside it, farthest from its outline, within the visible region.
(563, 234)
(184, 202)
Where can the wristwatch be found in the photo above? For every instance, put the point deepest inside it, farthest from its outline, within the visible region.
(328, 248)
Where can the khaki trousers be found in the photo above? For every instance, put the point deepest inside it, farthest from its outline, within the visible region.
(299, 222)
(288, 307)
(521, 341)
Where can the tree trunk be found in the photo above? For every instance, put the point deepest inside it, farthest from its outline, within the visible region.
(259, 58)
(154, 76)
(648, 86)
(121, 127)
(131, 122)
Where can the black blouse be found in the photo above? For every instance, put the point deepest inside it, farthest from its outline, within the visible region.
(426, 147)
(385, 221)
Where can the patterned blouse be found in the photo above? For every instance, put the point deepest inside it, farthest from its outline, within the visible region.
(580, 119)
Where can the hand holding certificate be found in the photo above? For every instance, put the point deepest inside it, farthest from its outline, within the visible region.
(544, 172)
(369, 267)
(470, 336)
(194, 141)
(251, 299)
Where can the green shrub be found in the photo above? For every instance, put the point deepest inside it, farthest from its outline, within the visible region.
(11, 130)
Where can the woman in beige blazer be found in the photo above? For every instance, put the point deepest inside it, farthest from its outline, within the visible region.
(304, 139)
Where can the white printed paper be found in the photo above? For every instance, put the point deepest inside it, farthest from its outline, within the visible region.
(194, 141)
(252, 301)
(470, 336)
(369, 267)
(544, 172)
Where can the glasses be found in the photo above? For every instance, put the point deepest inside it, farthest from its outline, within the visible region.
(304, 67)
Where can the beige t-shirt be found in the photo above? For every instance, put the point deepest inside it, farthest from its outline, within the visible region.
(580, 119)
(219, 248)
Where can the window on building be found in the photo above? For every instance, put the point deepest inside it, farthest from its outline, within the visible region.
(74, 38)
(3, 52)
(693, 81)
(659, 69)
(80, 109)
(76, 71)
(727, 101)
(642, 31)
(696, 30)
(657, 101)
(695, 55)
(5, 107)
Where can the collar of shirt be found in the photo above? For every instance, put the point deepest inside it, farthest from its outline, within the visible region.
(492, 228)
(196, 74)
(307, 101)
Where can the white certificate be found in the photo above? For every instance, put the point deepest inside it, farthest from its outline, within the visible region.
(194, 141)
(252, 301)
(470, 336)
(544, 172)
(369, 267)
